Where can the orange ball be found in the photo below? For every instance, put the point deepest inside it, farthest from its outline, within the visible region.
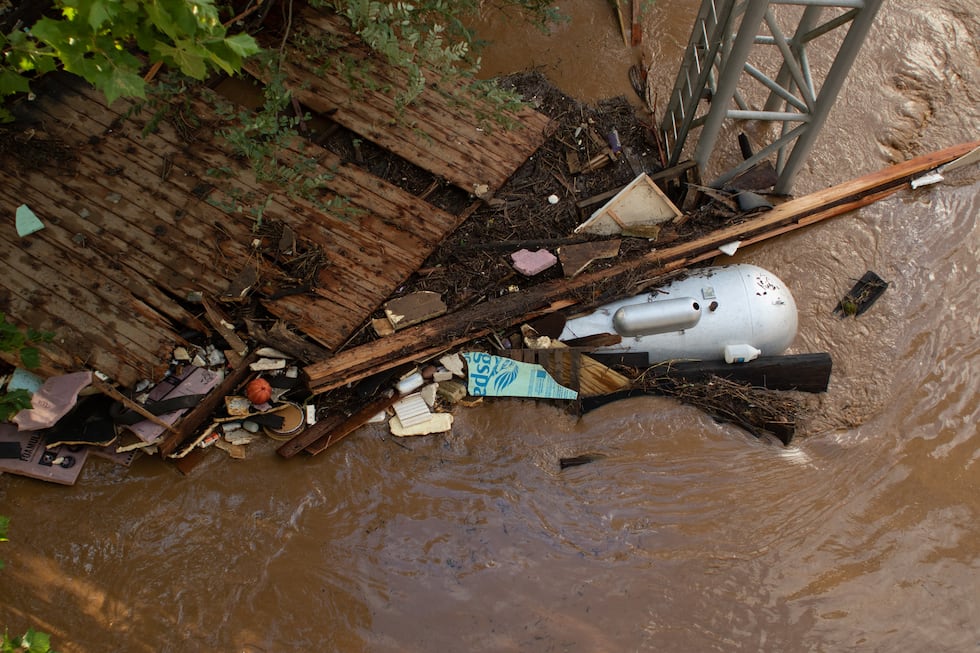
(258, 391)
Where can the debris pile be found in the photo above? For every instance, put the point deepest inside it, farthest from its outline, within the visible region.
(248, 384)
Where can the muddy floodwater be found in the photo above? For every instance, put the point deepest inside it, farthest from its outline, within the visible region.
(688, 535)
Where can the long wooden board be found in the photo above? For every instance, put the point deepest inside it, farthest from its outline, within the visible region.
(459, 327)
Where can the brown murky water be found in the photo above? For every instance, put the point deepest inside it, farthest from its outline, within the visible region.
(687, 536)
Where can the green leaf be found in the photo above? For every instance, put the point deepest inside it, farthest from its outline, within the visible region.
(242, 44)
(11, 82)
(187, 55)
(162, 19)
(122, 83)
(223, 57)
(12, 403)
(35, 642)
(30, 357)
(98, 14)
(55, 33)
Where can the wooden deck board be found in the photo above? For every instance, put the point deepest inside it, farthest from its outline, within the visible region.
(437, 133)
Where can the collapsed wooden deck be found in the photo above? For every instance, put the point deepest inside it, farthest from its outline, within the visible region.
(149, 217)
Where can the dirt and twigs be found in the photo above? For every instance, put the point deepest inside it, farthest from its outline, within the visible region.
(756, 410)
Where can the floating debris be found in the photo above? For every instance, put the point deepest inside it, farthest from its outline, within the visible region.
(860, 298)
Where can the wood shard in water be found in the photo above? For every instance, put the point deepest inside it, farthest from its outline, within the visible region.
(860, 298)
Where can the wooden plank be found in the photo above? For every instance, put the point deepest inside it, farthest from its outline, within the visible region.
(143, 195)
(425, 340)
(46, 266)
(436, 335)
(443, 99)
(310, 435)
(383, 247)
(427, 132)
(423, 124)
(351, 424)
(94, 246)
(126, 210)
(83, 344)
(800, 372)
(372, 119)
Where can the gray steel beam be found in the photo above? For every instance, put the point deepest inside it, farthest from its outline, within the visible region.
(829, 90)
(721, 57)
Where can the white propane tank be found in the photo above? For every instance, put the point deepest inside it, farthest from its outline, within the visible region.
(697, 317)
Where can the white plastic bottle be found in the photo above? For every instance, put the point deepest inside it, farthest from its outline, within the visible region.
(740, 353)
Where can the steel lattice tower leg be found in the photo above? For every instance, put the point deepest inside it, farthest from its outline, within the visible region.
(716, 71)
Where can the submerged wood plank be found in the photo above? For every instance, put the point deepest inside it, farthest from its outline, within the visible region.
(462, 326)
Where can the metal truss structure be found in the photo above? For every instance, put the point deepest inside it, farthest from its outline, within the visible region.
(716, 68)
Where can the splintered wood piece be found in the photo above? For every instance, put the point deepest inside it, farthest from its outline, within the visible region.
(414, 308)
(575, 258)
(310, 435)
(351, 424)
(219, 320)
(573, 369)
(280, 337)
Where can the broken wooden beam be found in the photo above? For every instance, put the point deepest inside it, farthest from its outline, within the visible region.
(477, 321)
(799, 372)
(310, 435)
(351, 424)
